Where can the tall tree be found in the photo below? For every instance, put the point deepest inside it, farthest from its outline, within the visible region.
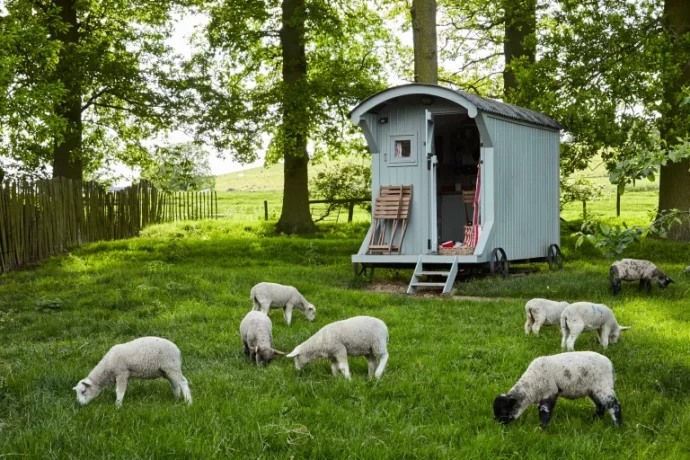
(674, 178)
(423, 14)
(289, 70)
(519, 42)
(104, 76)
(295, 216)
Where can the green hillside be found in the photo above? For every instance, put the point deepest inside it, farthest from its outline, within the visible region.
(269, 178)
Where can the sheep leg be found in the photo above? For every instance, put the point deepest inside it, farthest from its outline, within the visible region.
(643, 284)
(574, 332)
(252, 354)
(564, 334)
(371, 359)
(649, 286)
(546, 410)
(341, 358)
(180, 386)
(537, 325)
(600, 408)
(120, 388)
(334, 367)
(528, 323)
(383, 359)
(604, 333)
(246, 348)
(265, 306)
(616, 284)
(287, 313)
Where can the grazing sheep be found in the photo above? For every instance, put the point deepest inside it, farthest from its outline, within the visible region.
(586, 316)
(634, 270)
(358, 336)
(143, 358)
(271, 295)
(257, 337)
(542, 312)
(568, 375)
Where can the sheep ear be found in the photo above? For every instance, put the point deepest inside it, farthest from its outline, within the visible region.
(293, 354)
(670, 281)
(624, 328)
(277, 352)
(256, 349)
(86, 382)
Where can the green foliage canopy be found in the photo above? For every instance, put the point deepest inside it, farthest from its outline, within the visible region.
(347, 47)
(126, 77)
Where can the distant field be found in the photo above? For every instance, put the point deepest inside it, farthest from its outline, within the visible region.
(596, 172)
(268, 178)
(252, 186)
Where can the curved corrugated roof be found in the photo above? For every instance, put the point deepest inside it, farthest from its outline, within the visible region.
(510, 110)
(481, 103)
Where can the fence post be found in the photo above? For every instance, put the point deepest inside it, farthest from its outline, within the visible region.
(265, 210)
(350, 210)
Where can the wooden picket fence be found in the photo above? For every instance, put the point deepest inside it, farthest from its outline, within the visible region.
(46, 217)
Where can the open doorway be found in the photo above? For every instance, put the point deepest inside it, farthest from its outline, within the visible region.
(457, 148)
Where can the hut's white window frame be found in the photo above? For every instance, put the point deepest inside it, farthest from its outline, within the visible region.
(412, 160)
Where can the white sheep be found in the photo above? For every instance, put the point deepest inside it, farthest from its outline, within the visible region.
(586, 316)
(143, 358)
(358, 336)
(572, 375)
(636, 270)
(271, 295)
(256, 331)
(542, 312)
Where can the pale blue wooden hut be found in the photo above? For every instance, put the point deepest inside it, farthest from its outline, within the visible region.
(436, 152)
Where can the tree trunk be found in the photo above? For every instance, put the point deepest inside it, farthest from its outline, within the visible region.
(519, 40)
(618, 204)
(424, 40)
(674, 178)
(295, 216)
(584, 210)
(67, 151)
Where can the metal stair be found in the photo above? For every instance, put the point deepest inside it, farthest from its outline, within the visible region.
(420, 272)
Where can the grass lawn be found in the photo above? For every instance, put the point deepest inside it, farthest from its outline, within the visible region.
(190, 282)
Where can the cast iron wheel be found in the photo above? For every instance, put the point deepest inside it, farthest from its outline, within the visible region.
(499, 264)
(554, 257)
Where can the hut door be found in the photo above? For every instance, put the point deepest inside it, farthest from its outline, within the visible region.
(431, 170)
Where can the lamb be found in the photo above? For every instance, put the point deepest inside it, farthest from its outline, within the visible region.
(142, 358)
(572, 375)
(257, 337)
(586, 316)
(271, 295)
(542, 312)
(357, 336)
(634, 270)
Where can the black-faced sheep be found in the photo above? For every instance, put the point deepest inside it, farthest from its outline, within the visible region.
(636, 270)
(575, 375)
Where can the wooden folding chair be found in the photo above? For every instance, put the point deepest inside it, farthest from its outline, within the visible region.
(391, 213)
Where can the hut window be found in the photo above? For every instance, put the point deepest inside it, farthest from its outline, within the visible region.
(403, 149)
